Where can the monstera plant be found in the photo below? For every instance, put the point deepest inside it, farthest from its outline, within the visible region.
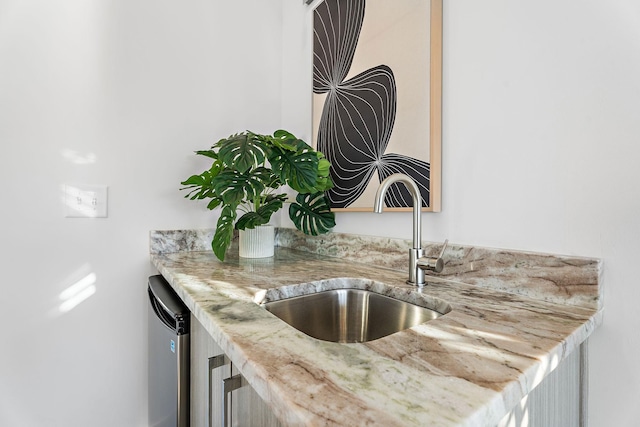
(246, 177)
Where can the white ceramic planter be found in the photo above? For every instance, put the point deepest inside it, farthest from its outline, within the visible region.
(258, 242)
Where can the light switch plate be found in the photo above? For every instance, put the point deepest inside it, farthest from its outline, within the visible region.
(85, 201)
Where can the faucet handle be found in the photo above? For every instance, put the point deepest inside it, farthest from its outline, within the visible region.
(434, 264)
(444, 247)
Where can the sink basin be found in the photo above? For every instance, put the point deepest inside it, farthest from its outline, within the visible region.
(349, 315)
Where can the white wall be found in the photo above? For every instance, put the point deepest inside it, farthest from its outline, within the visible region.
(541, 142)
(540, 148)
(118, 93)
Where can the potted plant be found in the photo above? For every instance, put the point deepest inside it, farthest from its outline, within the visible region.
(246, 175)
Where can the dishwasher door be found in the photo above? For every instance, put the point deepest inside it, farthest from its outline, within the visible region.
(169, 353)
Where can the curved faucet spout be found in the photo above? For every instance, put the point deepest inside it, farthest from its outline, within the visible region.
(416, 275)
(417, 202)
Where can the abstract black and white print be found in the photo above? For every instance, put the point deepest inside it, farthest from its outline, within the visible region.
(359, 112)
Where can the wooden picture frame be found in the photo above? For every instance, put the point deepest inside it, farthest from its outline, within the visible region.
(357, 103)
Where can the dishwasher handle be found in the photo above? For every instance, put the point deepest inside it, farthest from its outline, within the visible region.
(168, 306)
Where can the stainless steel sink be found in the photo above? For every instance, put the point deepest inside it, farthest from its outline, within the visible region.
(349, 315)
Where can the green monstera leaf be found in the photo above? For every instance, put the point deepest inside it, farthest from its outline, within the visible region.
(312, 214)
(234, 187)
(287, 141)
(263, 214)
(208, 153)
(242, 152)
(324, 181)
(297, 164)
(202, 186)
(298, 169)
(224, 231)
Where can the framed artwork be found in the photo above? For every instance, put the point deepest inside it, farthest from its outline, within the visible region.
(377, 96)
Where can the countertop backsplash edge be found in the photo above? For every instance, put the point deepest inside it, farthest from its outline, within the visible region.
(554, 278)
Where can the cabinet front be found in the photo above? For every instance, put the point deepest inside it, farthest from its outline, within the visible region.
(220, 396)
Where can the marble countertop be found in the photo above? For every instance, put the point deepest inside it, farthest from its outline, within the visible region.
(467, 368)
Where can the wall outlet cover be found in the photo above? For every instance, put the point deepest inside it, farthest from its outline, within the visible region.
(85, 201)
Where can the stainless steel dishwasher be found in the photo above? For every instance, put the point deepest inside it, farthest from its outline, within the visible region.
(169, 353)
